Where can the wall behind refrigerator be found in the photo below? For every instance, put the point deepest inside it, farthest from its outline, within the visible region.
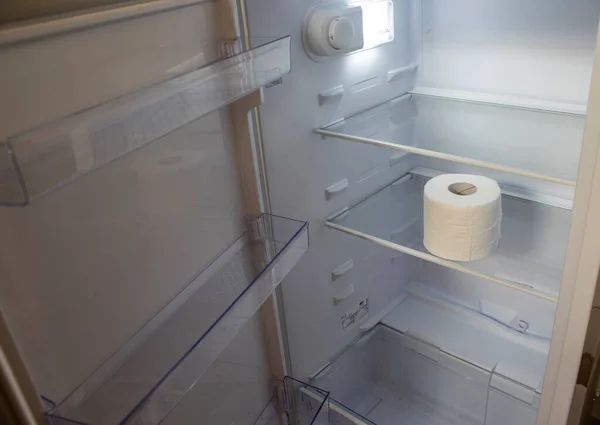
(300, 165)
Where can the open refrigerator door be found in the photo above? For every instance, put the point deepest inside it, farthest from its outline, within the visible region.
(140, 265)
(161, 161)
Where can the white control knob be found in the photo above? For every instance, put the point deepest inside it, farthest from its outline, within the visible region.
(332, 30)
(341, 33)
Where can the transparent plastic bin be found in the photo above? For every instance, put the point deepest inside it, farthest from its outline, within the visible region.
(389, 378)
(169, 357)
(47, 157)
(291, 405)
(232, 400)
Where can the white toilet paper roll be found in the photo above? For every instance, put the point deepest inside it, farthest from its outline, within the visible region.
(462, 215)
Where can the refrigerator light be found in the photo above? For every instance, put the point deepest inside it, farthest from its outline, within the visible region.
(337, 29)
(378, 22)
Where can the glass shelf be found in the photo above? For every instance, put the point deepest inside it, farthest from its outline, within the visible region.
(147, 377)
(502, 138)
(44, 158)
(529, 258)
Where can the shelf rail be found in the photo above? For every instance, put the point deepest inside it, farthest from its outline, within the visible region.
(444, 156)
(437, 260)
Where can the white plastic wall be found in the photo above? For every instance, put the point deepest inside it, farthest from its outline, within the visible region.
(539, 49)
(502, 135)
(300, 165)
(536, 52)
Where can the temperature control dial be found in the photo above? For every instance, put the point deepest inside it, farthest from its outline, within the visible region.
(331, 30)
(341, 33)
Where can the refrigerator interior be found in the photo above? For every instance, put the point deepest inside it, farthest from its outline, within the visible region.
(500, 89)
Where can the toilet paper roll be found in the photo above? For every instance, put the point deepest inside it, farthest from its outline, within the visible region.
(462, 215)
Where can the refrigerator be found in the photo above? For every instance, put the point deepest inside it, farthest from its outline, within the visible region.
(211, 212)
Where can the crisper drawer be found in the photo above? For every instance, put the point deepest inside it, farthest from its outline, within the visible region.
(388, 377)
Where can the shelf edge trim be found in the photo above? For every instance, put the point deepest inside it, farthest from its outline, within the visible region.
(502, 101)
(444, 156)
(437, 260)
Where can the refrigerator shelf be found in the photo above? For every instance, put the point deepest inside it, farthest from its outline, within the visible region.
(148, 376)
(529, 258)
(53, 154)
(455, 130)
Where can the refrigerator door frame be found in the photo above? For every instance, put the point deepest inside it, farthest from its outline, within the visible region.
(580, 271)
(16, 386)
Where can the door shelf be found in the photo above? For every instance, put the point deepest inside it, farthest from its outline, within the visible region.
(501, 138)
(529, 258)
(49, 156)
(148, 376)
(289, 403)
